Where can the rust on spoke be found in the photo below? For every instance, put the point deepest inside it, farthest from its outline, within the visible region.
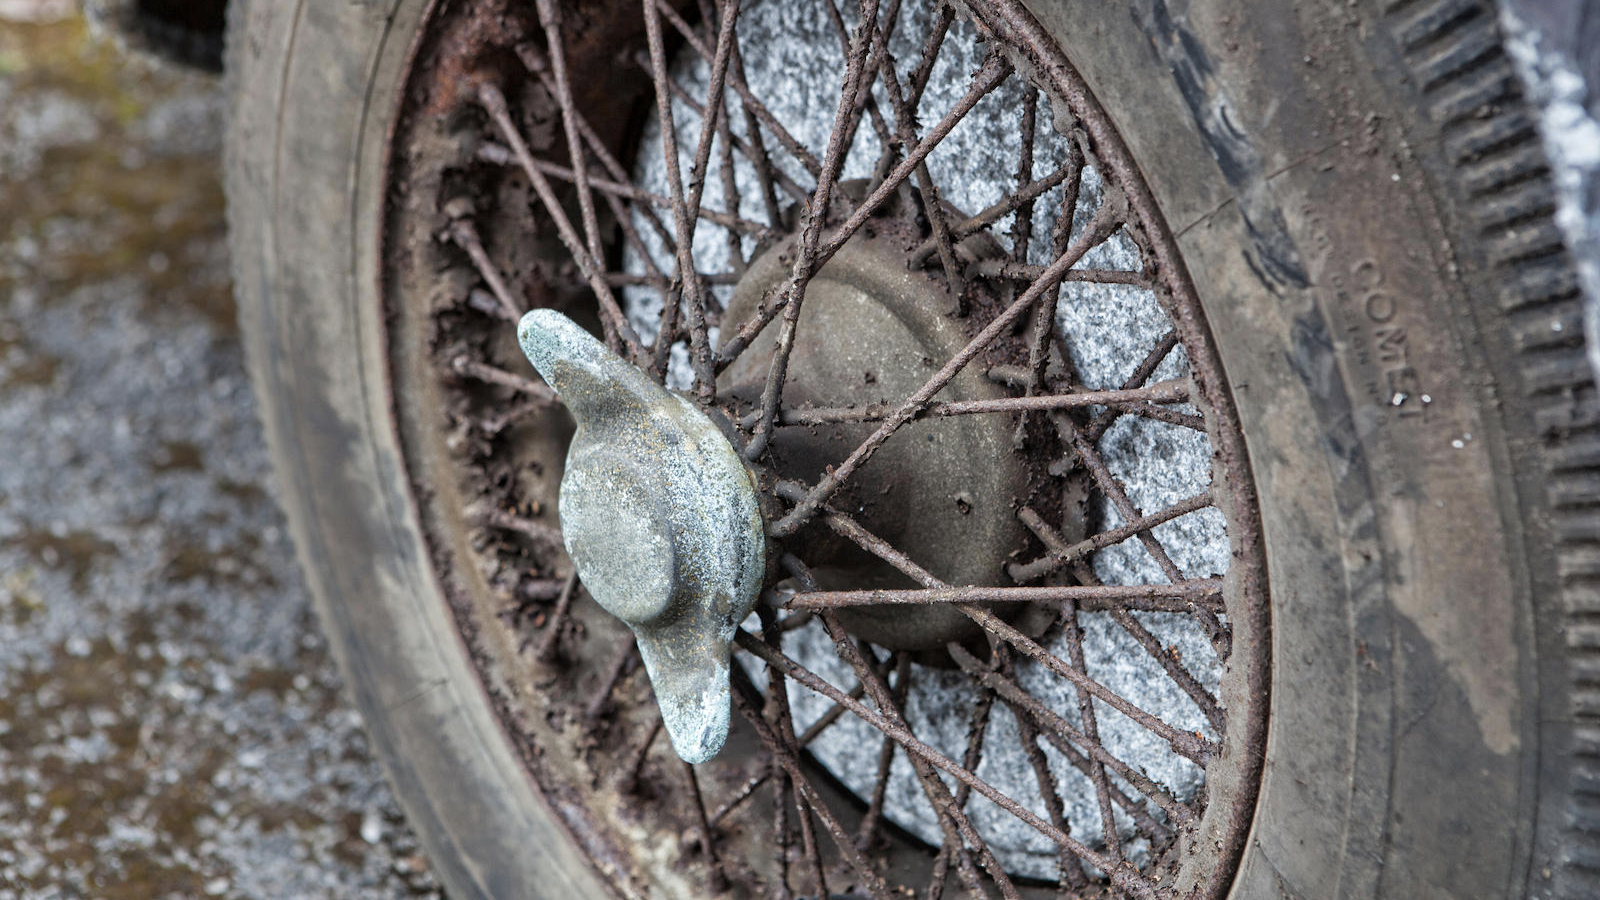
(1122, 875)
(767, 119)
(618, 332)
(1106, 594)
(1062, 553)
(745, 701)
(1163, 392)
(684, 211)
(813, 218)
(462, 233)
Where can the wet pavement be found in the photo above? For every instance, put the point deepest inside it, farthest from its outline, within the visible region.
(171, 724)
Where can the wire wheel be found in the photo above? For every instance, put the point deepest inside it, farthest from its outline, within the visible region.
(1014, 639)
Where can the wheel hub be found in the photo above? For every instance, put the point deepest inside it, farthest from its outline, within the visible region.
(872, 329)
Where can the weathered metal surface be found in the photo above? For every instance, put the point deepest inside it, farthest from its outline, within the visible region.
(869, 322)
(660, 518)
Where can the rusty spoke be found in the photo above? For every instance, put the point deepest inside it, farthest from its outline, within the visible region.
(1139, 810)
(878, 52)
(1169, 416)
(755, 150)
(1109, 596)
(494, 424)
(772, 304)
(1012, 270)
(780, 827)
(626, 657)
(1164, 655)
(1122, 875)
(928, 192)
(618, 332)
(778, 706)
(745, 147)
(1144, 598)
(714, 118)
(708, 844)
(655, 278)
(778, 711)
(1194, 746)
(808, 842)
(481, 371)
(814, 217)
(756, 107)
(971, 758)
(628, 777)
(995, 70)
(1172, 665)
(999, 209)
(1102, 423)
(745, 700)
(1162, 392)
(1044, 315)
(1091, 751)
(805, 738)
(930, 55)
(683, 217)
(1088, 723)
(1191, 745)
(1071, 868)
(1062, 553)
(614, 193)
(1113, 490)
(550, 20)
(558, 620)
(661, 350)
(536, 64)
(725, 165)
(463, 234)
(1022, 226)
(953, 821)
(880, 783)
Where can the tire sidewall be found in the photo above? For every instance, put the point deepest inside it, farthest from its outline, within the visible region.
(1293, 158)
(313, 90)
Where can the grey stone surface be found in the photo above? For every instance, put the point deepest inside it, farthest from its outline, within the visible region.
(170, 722)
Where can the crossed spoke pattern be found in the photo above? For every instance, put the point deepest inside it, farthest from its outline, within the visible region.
(739, 171)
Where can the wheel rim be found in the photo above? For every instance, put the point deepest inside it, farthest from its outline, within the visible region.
(483, 143)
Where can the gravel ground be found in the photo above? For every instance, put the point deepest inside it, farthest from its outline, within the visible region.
(170, 722)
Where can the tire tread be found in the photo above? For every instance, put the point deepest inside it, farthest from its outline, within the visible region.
(1456, 53)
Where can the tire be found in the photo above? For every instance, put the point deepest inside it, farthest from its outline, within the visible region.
(1362, 204)
(187, 33)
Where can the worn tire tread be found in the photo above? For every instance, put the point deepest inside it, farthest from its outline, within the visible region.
(1455, 45)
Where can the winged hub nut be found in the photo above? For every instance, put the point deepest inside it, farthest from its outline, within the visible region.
(661, 519)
